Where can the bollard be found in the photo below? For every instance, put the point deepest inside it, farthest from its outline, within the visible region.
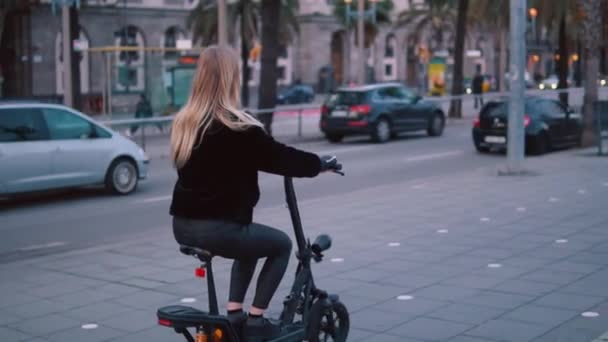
(299, 123)
(143, 136)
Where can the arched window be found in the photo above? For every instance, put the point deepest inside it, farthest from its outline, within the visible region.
(130, 64)
(169, 40)
(83, 42)
(390, 58)
(390, 45)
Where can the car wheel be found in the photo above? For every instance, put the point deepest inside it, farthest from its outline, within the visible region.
(436, 125)
(121, 178)
(334, 138)
(382, 131)
(540, 145)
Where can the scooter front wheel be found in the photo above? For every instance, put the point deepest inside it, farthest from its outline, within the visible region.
(329, 324)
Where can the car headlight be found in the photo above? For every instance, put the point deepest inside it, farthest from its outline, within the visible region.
(142, 153)
(603, 82)
(468, 90)
(541, 86)
(554, 86)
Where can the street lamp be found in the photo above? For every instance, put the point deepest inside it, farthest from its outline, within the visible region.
(533, 12)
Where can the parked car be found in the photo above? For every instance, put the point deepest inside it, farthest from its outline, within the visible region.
(45, 146)
(552, 82)
(548, 125)
(300, 93)
(380, 110)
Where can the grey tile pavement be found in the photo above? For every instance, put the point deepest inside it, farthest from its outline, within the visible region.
(538, 293)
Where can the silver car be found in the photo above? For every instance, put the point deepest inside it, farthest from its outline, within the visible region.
(45, 146)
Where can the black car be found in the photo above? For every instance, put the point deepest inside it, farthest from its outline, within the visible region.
(296, 94)
(380, 110)
(548, 125)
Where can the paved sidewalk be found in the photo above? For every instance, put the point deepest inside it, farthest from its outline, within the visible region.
(467, 258)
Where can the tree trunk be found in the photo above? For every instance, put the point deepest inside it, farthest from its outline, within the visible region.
(244, 56)
(591, 28)
(461, 31)
(563, 60)
(271, 11)
(503, 59)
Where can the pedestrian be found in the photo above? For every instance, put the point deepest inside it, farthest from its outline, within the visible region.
(143, 110)
(218, 150)
(477, 86)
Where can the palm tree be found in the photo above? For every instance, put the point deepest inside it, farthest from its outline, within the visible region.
(437, 17)
(461, 31)
(590, 26)
(493, 16)
(273, 11)
(557, 16)
(203, 23)
(383, 16)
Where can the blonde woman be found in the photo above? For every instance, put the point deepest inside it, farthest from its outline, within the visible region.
(218, 150)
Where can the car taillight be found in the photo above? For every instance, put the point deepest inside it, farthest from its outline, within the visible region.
(361, 109)
(476, 122)
(526, 120)
(324, 110)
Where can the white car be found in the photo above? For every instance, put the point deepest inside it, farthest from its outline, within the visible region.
(45, 146)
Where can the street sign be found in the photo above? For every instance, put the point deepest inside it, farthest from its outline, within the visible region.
(184, 44)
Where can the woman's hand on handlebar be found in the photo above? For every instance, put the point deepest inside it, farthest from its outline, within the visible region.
(330, 163)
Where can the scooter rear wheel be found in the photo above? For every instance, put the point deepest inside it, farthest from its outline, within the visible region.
(330, 324)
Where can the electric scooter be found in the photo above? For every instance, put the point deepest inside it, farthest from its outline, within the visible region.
(309, 313)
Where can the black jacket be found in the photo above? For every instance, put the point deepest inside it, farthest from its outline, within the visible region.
(220, 180)
(477, 84)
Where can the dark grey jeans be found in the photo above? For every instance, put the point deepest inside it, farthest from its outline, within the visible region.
(245, 244)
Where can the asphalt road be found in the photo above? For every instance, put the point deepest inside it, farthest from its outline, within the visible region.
(75, 219)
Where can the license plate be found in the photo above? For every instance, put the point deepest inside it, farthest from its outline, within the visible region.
(495, 140)
(339, 113)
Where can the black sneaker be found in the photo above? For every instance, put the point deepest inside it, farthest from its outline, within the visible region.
(260, 328)
(237, 320)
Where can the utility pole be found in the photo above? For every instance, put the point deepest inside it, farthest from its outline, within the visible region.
(361, 36)
(515, 136)
(68, 94)
(221, 23)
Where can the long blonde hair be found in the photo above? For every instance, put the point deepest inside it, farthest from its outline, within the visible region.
(215, 95)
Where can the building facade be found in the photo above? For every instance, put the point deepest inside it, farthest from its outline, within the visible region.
(322, 54)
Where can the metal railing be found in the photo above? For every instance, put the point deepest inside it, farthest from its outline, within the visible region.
(143, 123)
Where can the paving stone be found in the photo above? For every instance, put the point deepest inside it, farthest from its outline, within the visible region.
(145, 299)
(464, 338)
(8, 299)
(417, 306)
(131, 321)
(549, 317)
(553, 276)
(474, 281)
(8, 334)
(525, 287)
(505, 330)
(445, 292)
(43, 326)
(568, 301)
(430, 329)
(102, 333)
(464, 313)
(377, 321)
(497, 300)
(97, 311)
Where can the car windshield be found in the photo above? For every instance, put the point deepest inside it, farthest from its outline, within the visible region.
(493, 109)
(346, 98)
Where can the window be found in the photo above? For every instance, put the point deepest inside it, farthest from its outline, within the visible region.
(552, 109)
(129, 64)
(388, 69)
(346, 98)
(21, 124)
(64, 125)
(389, 47)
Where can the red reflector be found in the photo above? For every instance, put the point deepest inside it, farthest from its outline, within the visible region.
(165, 322)
(357, 123)
(361, 109)
(476, 122)
(324, 110)
(526, 120)
(199, 272)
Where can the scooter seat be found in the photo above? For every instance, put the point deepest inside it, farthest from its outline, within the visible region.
(203, 255)
(179, 316)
